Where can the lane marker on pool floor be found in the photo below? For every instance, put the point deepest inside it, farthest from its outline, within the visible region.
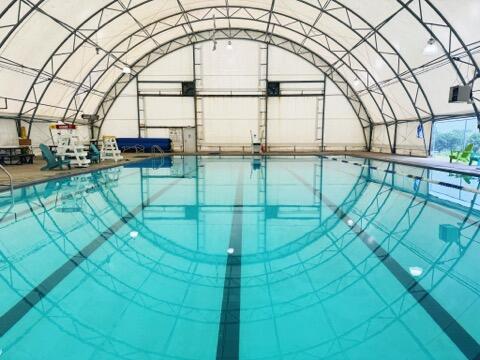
(9, 319)
(465, 342)
(228, 346)
(419, 178)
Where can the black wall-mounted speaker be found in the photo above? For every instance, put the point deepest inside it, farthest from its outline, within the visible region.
(273, 88)
(461, 94)
(188, 88)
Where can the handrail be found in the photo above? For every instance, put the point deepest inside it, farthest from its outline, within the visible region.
(12, 204)
(154, 150)
(157, 148)
(10, 177)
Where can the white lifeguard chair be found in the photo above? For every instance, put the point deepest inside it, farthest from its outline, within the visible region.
(256, 144)
(110, 150)
(69, 145)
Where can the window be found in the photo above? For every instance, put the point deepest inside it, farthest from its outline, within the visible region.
(454, 135)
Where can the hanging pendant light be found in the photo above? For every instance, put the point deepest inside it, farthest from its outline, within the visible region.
(431, 48)
(127, 70)
(229, 45)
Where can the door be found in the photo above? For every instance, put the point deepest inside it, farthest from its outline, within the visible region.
(189, 140)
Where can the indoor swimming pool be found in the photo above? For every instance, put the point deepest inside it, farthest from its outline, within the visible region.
(220, 257)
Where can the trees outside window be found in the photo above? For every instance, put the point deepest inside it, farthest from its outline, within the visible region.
(454, 135)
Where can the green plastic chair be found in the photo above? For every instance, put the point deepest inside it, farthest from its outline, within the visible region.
(94, 154)
(463, 156)
(53, 162)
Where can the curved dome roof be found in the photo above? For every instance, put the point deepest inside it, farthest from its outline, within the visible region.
(62, 58)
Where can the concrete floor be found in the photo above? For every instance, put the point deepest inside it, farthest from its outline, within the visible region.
(422, 162)
(27, 174)
(31, 173)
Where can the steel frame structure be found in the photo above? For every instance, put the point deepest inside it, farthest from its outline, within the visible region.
(422, 11)
(326, 42)
(251, 35)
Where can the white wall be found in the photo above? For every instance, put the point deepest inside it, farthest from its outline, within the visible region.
(342, 128)
(122, 120)
(8, 132)
(228, 121)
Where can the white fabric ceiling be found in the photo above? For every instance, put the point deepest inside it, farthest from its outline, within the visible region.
(60, 58)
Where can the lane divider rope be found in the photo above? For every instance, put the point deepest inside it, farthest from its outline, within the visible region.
(420, 178)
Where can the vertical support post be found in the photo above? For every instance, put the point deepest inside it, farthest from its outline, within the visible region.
(138, 109)
(370, 138)
(198, 107)
(320, 117)
(266, 99)
(323, 114)
(263, 99)
(195, 109)
(395, 136)
(18, 122)
(431, 138)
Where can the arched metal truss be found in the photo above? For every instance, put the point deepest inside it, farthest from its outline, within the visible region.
(251, 35)
(422, 11)
(135, 40)
(276, 20)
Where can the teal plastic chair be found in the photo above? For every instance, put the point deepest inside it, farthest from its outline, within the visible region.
(94, 154)
(53, 162)
(474, 157)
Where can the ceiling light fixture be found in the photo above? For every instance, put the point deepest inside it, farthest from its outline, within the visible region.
(229, 45)
(127, 70)
(431, 48)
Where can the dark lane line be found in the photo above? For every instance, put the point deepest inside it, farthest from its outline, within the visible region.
(228, 346)
(450, 326)
(24, 305)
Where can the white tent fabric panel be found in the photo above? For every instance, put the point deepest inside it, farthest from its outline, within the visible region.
(380, 142)
(8, 135)
(168, 111)
(285, 66)
(342, 129)
(437, 82)
(464, 14)
(178, 66)
(292, 121)
(122, 121)
(65, 56)
(221, 69)
(229, 121)
(411, 141)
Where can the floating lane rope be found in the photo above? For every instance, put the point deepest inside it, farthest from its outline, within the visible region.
(419, 178)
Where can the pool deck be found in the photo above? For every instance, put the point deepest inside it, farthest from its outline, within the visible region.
(429, 163)
(29, 174)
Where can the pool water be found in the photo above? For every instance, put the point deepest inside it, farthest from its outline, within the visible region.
(243, 258)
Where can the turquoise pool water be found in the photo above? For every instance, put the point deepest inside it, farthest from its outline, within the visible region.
(241, 258)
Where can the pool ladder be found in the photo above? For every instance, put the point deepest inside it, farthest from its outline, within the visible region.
(3, 214)
(156, 149)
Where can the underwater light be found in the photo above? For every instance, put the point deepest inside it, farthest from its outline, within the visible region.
(415, 271)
